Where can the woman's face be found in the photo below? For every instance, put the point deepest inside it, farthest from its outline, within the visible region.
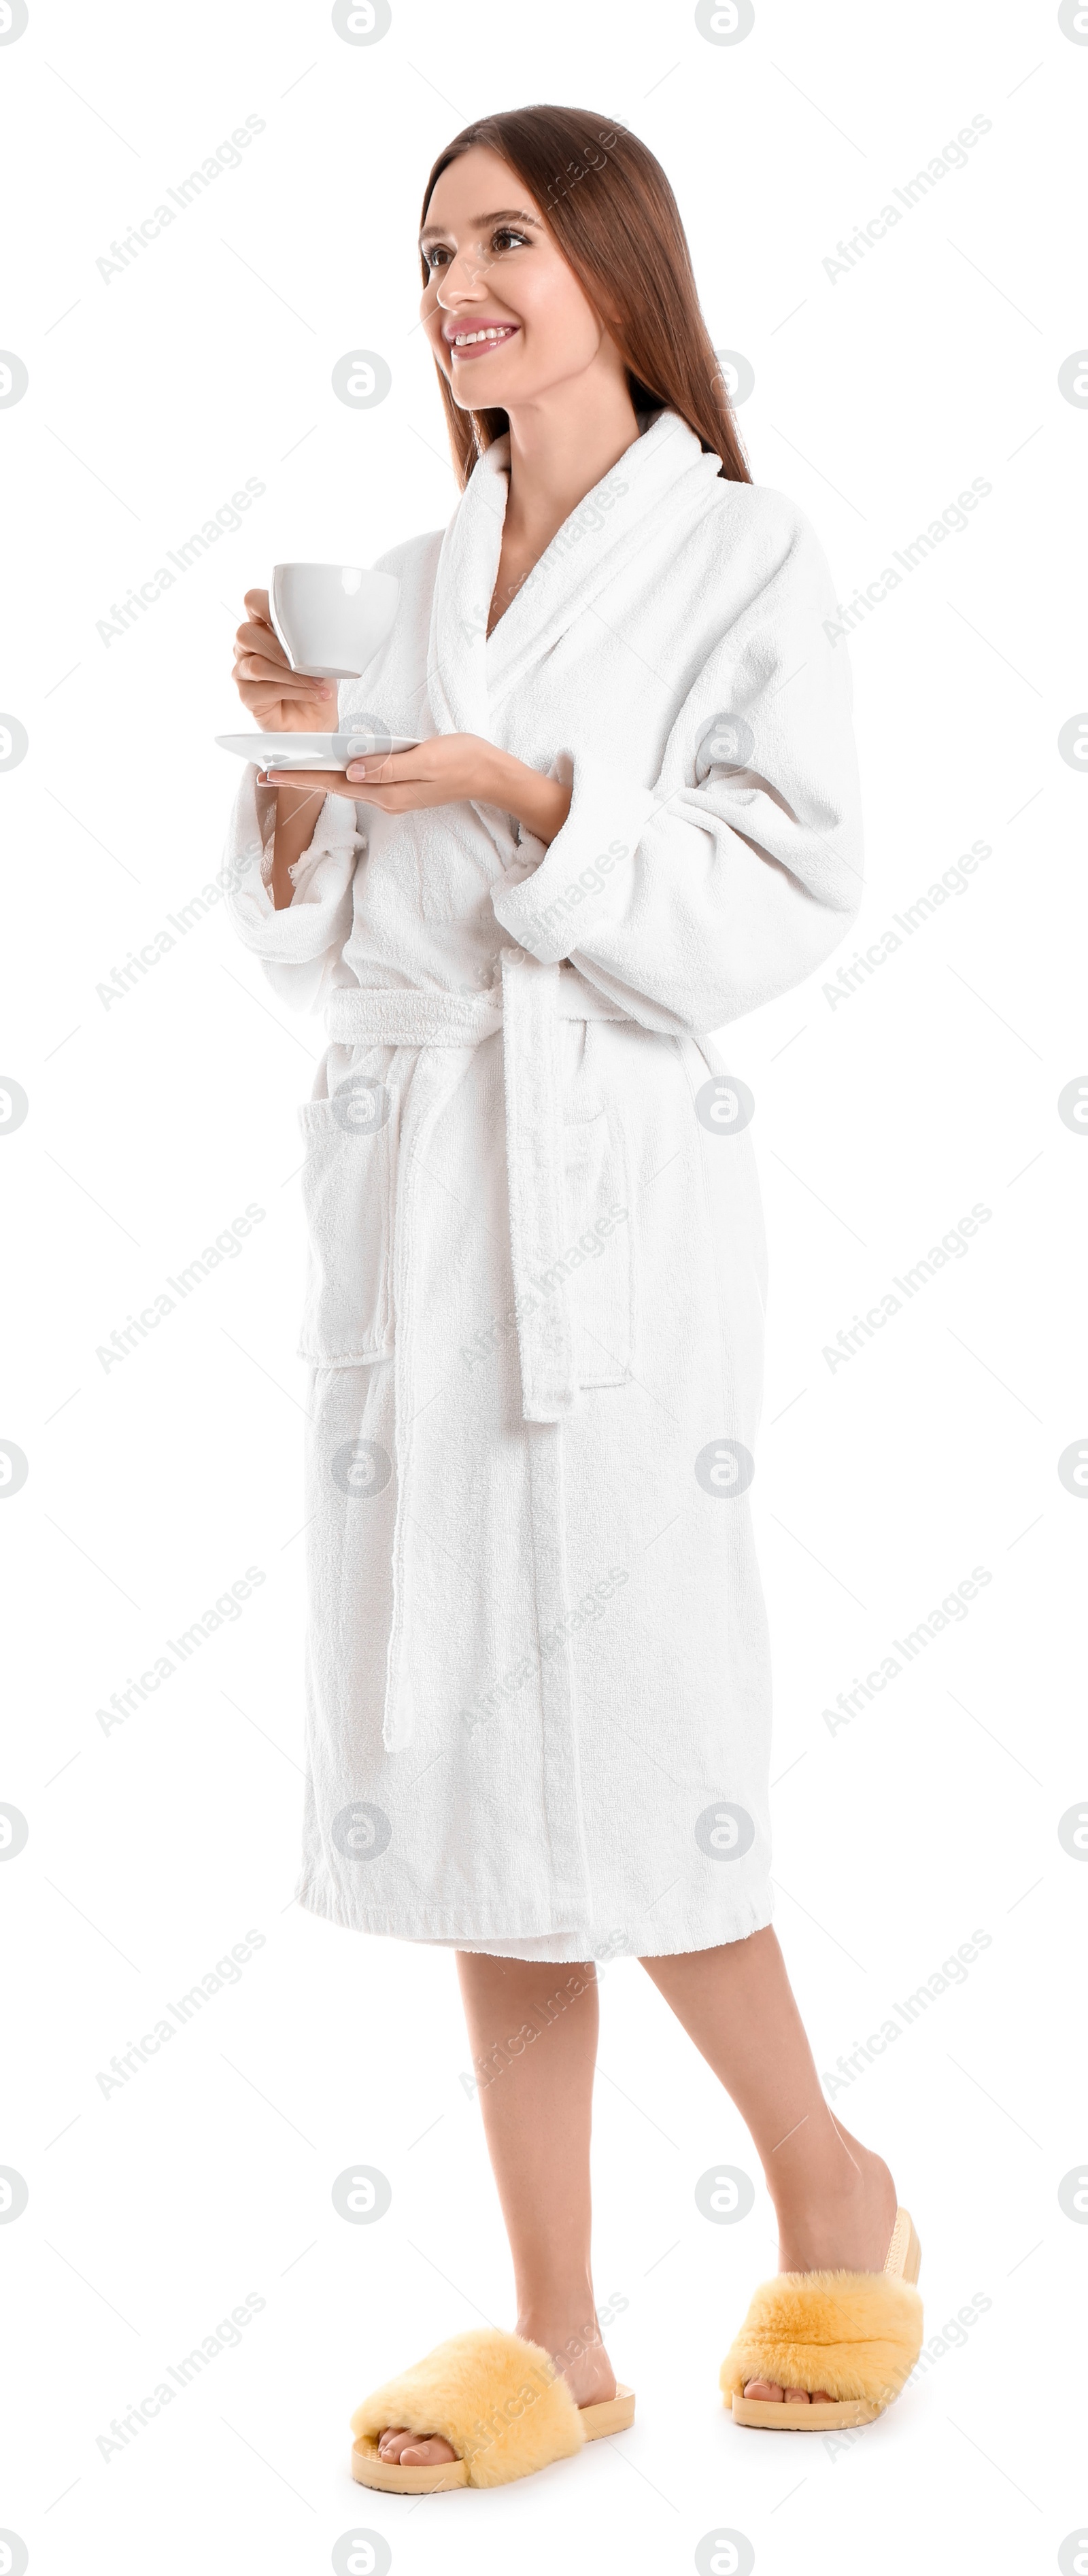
(505, 316)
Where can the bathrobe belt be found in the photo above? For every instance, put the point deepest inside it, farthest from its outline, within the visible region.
(527, 1007)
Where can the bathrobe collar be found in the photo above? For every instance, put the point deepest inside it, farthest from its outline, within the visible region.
(469, 672)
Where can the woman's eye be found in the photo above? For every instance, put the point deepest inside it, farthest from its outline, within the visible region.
(501, 239)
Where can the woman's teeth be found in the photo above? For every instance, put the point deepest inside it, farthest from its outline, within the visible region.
(469, 339)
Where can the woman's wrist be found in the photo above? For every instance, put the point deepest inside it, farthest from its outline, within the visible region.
(297, 810)
(540, 804)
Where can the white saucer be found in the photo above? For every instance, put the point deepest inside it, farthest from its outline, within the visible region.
(313, 750)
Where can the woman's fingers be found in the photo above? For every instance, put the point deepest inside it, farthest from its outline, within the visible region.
(264, 698)
(252, 665)
(390, 800)
(282, 700)
(255, 636)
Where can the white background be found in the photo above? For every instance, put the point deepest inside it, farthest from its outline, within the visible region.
(153, 1484)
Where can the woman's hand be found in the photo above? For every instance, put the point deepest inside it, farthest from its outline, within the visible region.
(283, 700)
(447, 769)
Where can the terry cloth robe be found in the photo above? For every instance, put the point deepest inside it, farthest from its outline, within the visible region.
(538, 1673)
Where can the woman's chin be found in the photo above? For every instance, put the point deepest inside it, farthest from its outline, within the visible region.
(481, 392)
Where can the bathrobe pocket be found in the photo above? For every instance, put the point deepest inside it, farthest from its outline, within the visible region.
(596, 1261)
(347, 1191)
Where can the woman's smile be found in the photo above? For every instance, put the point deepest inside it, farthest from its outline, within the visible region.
(465, 341)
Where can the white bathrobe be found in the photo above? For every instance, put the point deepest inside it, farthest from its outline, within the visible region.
(538, 1676)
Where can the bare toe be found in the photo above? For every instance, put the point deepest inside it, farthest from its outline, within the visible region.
(770, 2394)
(413, 2450)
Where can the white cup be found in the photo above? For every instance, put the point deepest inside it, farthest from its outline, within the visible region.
(331, 618)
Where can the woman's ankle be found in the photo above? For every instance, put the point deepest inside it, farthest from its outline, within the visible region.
(569, 2332)
(838, 2216)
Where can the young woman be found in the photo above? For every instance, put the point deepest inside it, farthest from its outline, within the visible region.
(538, 1677)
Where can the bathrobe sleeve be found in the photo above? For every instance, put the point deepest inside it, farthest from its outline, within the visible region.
(299, 946)
(735, 874)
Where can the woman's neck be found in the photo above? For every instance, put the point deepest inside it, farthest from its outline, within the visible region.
(560, 448)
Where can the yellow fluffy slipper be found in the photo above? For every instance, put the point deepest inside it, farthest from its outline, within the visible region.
(498, 2400)
(857, 2334)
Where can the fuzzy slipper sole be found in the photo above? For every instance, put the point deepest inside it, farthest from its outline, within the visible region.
(613, 2415)
(777, 2417)
(902, 2265)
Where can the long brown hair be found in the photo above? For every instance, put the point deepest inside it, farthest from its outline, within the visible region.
(610, 208)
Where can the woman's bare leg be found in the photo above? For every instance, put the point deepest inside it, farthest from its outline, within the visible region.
(533, 2033)
(835, 2200)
